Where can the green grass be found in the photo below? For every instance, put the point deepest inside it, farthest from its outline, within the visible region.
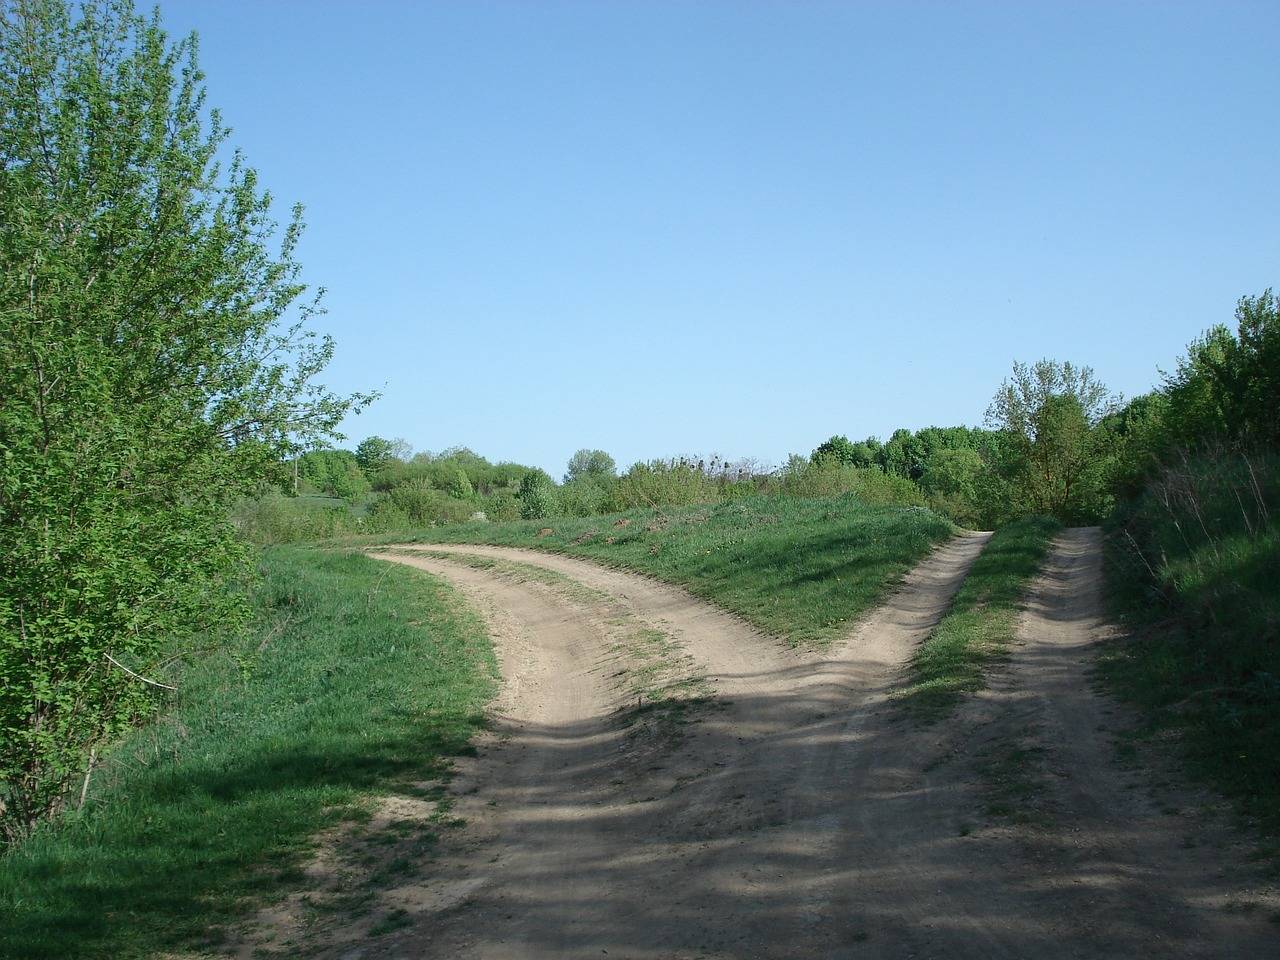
(1195, 576)
(982, 620)
(801, 569)
(362, 678)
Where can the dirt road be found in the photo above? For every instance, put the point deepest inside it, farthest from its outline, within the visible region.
(797, 814)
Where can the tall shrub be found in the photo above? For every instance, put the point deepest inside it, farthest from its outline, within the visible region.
(154, 360)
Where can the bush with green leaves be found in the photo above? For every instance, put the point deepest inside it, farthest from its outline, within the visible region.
(375, 453)
(1053, 452)
(501, 505)
(155, 364)
(537, 496)
(335, 473)
(663, 483)
(590, 464)
(585, 496)
(831, 478)
(275, 518)
(460, 486)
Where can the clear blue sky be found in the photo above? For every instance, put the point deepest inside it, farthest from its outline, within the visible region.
(665, 228)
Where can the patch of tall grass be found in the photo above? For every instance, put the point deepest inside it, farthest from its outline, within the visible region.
(1195, 571)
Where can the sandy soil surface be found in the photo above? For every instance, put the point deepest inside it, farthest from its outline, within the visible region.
(798, 814)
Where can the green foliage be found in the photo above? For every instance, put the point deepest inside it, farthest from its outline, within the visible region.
(593, 464)
(829, 477)
(1228, 387)
(537, 496)
(460, 487)
(1196, 555)
(676, 482)
(1023, 396)
(423, 505)
(982, 621)
(839, 449)
(1061, 470)
(375, 453)
(1194, 568)
(798, 568)
(960, 484)
(1052, 458)
(501, 505)
(154, 365)
(954, 473)
(907, 454)
(335, 473)
(358, 680)
(585, 496)
(442, 472)
(274, 518)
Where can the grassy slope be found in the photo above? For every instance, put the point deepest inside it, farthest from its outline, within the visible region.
(370, 675)
(981, 622)
(1203, 658)
(801, 569)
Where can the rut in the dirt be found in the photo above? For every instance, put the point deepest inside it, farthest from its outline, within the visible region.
(801, 816)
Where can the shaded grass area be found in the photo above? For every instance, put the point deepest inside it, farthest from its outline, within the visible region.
(801, 569)
(1194, 573)
(360, 680)
(982, 620)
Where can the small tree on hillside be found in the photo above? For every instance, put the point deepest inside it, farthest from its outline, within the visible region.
(537, 496)
(595, 464)
(374, 453)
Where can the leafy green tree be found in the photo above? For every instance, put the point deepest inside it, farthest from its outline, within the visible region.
(155, 362)
(954, 473)
(1051, 458)
(1227, 387)
(375, 453)
(837, 449)
(1021, 396)
(334, 472)
(460, 485)
(537, 496)
(595, 464)
(866, 453)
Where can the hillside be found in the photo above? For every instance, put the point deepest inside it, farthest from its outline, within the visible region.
(798, 568)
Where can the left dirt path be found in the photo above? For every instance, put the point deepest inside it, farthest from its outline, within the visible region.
(547, 786)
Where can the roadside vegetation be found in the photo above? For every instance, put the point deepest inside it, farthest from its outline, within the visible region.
(156, 362)
(1195, 557)
(358, 680)
(982, 621)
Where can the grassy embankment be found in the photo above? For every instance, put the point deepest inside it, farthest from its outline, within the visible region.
(361, 679)
(980, 625)
(796, 568)
(1195, 574)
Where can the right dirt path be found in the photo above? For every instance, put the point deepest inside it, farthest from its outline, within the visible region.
(1074, 854)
